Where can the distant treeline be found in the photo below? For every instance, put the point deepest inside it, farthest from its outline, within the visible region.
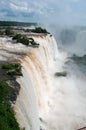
(14, 23)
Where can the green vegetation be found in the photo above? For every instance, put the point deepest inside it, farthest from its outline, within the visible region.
(10, 66)
(4, 89)
(17, 37)
(14, 72)
(7, 115)
(7, 94)
(14, 23)
(12, 69)
(24, 40)
(59, 74)
(9, 31)
(37, 30)
(1, 33)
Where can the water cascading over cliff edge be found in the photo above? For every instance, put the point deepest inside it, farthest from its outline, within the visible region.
(45, 102)
(34, 100)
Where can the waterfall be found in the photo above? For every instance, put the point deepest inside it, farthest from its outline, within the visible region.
(46, 102)
(34, 100)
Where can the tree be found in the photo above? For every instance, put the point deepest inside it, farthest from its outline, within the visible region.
(9, 31)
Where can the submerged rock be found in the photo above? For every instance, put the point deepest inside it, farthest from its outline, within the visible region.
(59, 74)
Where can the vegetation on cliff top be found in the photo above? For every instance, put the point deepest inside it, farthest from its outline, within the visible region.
(1, 33)
(37, 30)
(7, 115)
(9, 31)
(24, 40)
(15, 23)
(9, 89)
(13, 69)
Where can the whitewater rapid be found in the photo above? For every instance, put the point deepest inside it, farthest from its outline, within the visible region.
(45, 101)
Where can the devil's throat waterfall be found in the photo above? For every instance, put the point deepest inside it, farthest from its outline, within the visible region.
(45, 102)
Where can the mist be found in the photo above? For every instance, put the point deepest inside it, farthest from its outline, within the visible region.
(71, 39)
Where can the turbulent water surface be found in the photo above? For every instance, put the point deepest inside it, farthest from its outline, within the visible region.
(45, 101)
